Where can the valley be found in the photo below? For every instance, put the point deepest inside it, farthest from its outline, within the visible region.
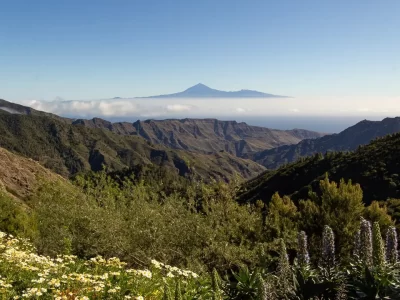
(202, 194)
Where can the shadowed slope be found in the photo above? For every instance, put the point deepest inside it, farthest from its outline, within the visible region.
(205, 135)
(68, 149)
(347, 140)
(374, 166)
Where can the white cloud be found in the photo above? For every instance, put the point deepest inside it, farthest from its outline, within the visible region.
(222, 108)
(178, 108)
(364, 109)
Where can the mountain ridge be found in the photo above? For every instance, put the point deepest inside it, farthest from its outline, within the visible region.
(374, 166)
(205, 135)
(68, 149)
(14, 108)
(349, 139)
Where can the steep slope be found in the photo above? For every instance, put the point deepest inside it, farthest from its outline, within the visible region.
(205, 135)
(196, 135)
(202, 91)
(15, 108)
(347, 140)
(68, 149)
(374, 166)
(19, 176)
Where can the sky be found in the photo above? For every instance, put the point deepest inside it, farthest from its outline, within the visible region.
(336, 57)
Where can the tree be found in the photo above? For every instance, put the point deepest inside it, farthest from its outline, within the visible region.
(339, 206)
(377, 212)
(282, 219)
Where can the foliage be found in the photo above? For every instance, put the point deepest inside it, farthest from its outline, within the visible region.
(328, 146)
(282, 219)
(337, 205)
(322, 246)
(378, 212)
(216, 282)
(178, 291)
(378, 247)
(245, 284)
(200, 226)
(25, 274)
(374, 166)
(391, 245)
(15, 218)
(68, 149)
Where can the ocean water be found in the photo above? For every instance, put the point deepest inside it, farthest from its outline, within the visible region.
(326, 124)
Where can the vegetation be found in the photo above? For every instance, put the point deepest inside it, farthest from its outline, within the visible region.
(321, 228)
(69, 149)
(202, 136)
(347, 140)
(27, 275)
(368, 270)
(138, 216)
(374, 166)
(205, 135)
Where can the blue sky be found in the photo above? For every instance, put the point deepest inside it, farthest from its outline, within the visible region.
(100, 49)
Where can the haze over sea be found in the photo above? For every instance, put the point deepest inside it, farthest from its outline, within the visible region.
(279, 113)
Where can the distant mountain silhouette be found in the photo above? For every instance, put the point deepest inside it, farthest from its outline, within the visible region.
(348, 140)
(202, 91)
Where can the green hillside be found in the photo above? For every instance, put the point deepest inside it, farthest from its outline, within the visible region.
(149, 214)
(68, 149)
(205, 135)
(347, 140)
(375, 167)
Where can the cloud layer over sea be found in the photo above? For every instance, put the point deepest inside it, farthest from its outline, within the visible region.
(211, 107)
(131, 109)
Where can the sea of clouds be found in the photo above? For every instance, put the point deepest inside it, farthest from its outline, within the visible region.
(321, 114)
(213, 107)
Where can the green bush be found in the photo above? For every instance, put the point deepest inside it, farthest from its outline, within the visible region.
(15, 217)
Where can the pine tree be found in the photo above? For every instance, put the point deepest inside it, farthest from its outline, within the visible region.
(377, 212)
(281, 220)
